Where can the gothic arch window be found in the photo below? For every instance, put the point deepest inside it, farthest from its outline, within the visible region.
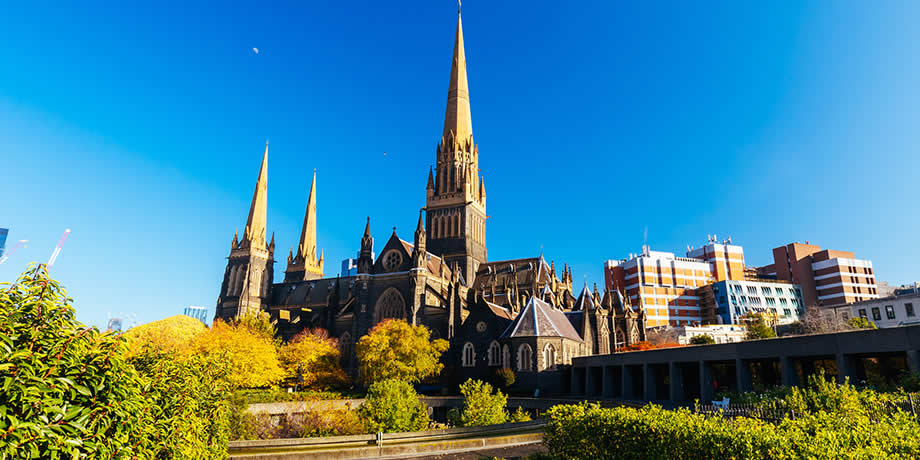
(603, 346)
(469, 355)
(549, 357)
(231, 281)
(390, 305)
(621, 338)
(634, 334)
(525, 358)
(266, 284)
(494, 352)
(506, 357)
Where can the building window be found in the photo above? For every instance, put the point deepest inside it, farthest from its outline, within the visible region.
(909, 309)
(494, 359)
(469, 355)
(787, 312)
(889, 311)
(876, 314)
(506, 357)
(525, 358)
(862, 312)
(549, 357)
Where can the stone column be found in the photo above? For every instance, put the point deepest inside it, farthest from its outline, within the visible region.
(648, 377)
(743, 375)
(676, 388)
(845, 368)
(707, 384)
(787, 372)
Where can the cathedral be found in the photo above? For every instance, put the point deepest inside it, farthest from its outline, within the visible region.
(515, 314)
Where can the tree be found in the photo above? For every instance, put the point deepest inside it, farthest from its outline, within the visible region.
(311, 358)
(503, 378)
(394, 349)
(858, 322)
(393, 406)
(68, 391)
(702, 339)
(169, 335)
(480, 405)
(252, 353)
(757, 327)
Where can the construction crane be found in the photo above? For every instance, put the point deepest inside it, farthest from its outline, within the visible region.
(57, 250)
(7, 255)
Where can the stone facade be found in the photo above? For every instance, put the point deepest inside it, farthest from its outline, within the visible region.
(503, 314)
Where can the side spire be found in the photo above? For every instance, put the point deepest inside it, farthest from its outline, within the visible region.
(305, 265)
(254, 235)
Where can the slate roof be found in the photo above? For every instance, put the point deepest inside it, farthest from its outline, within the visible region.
(434, 262)
(585, 300)
(576, 318)
(499, 311)
(540, 319)
(506, 272)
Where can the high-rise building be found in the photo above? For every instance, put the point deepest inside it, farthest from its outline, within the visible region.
(666, 285)
(3, 233)
(827, 277)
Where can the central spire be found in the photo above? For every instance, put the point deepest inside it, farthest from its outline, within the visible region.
(457, 119)
(304, 264)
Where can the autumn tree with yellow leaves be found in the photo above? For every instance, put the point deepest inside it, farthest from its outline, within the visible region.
(311, 359)
(252, 351)
(169, 335)
(394, 349)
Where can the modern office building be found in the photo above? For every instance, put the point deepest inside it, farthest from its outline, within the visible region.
(721, 333)
(725, 302)
(666, 285)
(3, 233)
(827, 277)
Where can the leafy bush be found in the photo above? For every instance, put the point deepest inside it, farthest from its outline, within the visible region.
(394, 349)
(832, 421)
(519, 415)
(67, 390)
(189, 413)
(503, 378)
(480, 405)
(702, 339)
(255, 396)
(393, 406)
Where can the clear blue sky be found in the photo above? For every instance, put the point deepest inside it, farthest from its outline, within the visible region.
(141, 128)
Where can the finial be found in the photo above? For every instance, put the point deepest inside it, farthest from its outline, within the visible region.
(459, 6)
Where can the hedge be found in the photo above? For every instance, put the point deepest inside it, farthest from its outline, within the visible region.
(588, 431)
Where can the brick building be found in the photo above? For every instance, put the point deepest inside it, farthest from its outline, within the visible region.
(827, 277)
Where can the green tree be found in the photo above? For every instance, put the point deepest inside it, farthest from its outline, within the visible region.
(173, 334)
(702, 339)
(757, 327)
(858, 322)
(393, 406)
(394, 349)
(480, 405)
(67, 390)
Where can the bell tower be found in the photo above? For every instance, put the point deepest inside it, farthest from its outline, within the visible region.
(456, 197)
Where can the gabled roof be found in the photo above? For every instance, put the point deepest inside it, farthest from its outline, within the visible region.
(540, 319)
(506, 272)
(434, 262)
(501, 312)
(585, 300)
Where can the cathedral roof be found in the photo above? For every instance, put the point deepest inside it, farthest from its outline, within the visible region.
(506, 272)
(540, 319)
(434, 262)
(585, 301)
(458, 122)
(499, 311)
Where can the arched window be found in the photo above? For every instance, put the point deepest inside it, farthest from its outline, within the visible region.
(494, 351)
(390, 305)
(231, 280)
(506, 357)
(469, 355)
(549, 357)
(620, 338)
(525, 358)
(603, 339)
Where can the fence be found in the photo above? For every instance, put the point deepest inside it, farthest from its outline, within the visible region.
(777, 413)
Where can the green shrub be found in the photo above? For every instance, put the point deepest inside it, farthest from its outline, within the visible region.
(393, 406)
(519, 415)
(858, 322)
(66, 390)
(703, 339)
(480, 405)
